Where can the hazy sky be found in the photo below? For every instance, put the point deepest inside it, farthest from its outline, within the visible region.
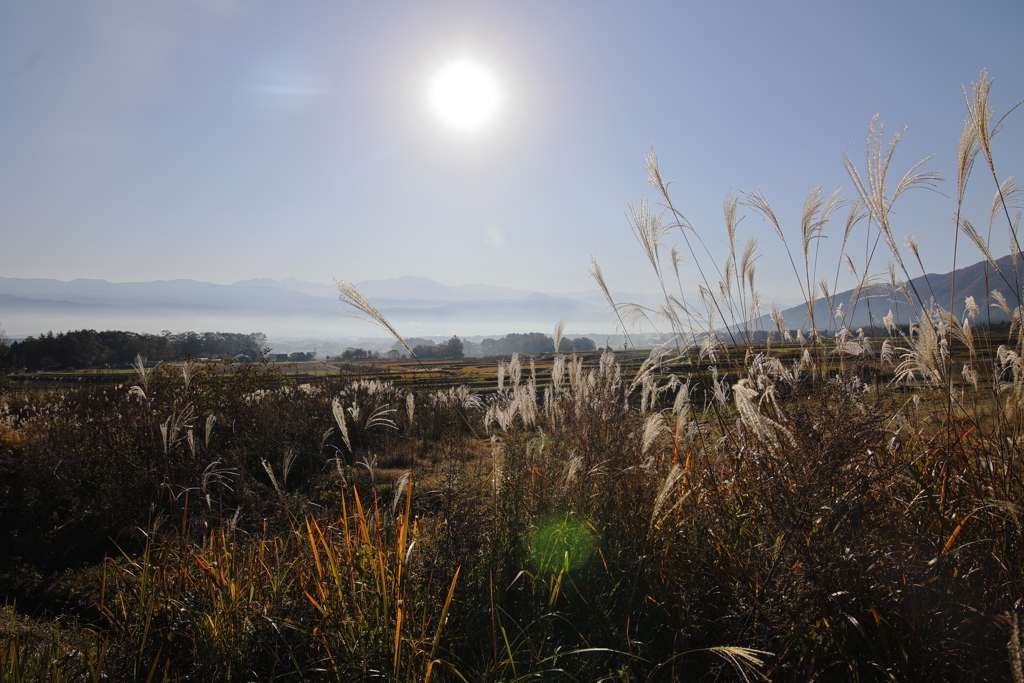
(221, 140)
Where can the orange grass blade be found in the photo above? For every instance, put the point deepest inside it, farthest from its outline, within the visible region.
(956, 532)
(398, 639)
(440, 626)
(313, 544)
(403, 531)
(315, 603)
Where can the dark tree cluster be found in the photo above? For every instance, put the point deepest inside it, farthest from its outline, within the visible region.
(196, 344)
(453, 348)
(91, 349)
(5, 352)
(353, 353)
(531, 342)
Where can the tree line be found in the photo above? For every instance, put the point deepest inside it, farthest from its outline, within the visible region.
(92, 349)
(528, 343)
(531, 342)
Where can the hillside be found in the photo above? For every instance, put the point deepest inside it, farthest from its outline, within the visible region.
(975, 280)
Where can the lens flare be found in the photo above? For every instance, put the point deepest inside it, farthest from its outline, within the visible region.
(561, 543)
(495, 237)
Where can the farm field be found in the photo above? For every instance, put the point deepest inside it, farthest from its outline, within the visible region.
(479, 374)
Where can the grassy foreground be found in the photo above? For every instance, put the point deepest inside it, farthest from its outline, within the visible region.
(597, 528)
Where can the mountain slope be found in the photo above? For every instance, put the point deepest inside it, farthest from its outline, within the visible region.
(970, 281)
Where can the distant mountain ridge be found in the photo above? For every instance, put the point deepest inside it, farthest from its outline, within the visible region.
(317, 289)
(970, 281)
(289, 307)
(417, 306)
(412, 288)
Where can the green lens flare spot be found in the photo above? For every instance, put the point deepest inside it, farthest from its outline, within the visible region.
(561, 543)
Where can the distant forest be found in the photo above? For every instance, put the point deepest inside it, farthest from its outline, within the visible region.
(531, 342)
(81, 349)
(91, 349)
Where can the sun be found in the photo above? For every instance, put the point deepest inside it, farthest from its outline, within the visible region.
(465, 96)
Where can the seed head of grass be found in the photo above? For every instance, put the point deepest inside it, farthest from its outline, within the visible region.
(350, 294)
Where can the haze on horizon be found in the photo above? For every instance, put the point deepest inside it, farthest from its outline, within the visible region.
(220, 141)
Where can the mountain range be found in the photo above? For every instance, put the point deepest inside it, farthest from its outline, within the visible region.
(290, 308)
(417, 306)
(977, 280)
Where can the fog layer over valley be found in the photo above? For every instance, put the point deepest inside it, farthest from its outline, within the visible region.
(300, 316)
(293, 309)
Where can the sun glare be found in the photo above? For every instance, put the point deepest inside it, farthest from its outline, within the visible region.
(464, 95)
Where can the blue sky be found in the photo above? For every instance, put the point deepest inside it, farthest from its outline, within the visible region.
(220, 140)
